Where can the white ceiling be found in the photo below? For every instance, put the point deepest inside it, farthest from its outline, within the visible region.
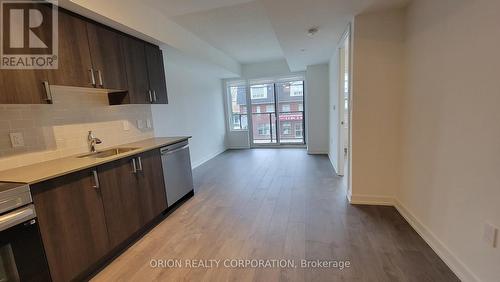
(265, 30)
(174, 8)
(242, 31)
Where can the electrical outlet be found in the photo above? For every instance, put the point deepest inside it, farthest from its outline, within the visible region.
(17, 139)
(491, 235)
(140, 124)
(126, 125)
(148, 123)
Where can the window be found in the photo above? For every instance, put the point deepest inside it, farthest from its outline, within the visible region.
(257, 109)
(298, 130)
(285, 107)
(264, 129)
(238, 107)
(287, 128)
(270, 109)
(258, 92)
(301, 108)
(297, 89)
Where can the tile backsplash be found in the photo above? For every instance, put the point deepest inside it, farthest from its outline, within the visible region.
(60, 129)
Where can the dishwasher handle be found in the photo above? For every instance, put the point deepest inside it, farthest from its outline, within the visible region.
(167, 151)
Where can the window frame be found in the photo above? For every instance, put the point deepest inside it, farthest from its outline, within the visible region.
(230, 113)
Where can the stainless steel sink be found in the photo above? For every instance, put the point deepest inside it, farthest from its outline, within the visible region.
(108, 153)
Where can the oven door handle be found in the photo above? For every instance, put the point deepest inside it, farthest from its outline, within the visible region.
(16, 217)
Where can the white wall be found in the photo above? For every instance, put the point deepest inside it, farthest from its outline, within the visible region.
(195, 108)
(377, 88)
(317, 99)
(265, 69)
(451, 148)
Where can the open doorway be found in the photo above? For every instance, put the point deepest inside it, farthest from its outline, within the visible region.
(345, 109)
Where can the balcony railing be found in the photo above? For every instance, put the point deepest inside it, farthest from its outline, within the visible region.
(294, 133)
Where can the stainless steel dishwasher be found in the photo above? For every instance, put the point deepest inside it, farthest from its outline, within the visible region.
(177, 171)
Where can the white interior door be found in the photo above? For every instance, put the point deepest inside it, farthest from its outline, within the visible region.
(344, 106)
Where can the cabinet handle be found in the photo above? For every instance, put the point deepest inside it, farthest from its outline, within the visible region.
(47, 92)
(92, 77)
(99, 74)
(150, 97)
(134, 166)
(139, 160)
(154, 95)
(96, 180)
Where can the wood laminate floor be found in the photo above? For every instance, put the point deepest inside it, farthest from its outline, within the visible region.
(272, 204)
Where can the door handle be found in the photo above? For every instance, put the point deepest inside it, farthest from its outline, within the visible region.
(150, 97)
(47, 92)
(134, 166)
(97, 185)
(154, 95)
(92, 77)
(166, 152)
(139, 160)
(99, 74)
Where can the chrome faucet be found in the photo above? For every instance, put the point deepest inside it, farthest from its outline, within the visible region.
(93, 141)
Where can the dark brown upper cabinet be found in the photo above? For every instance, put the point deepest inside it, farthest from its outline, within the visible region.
(23, 87)
(156, 72)
(134, 56)
(107, 58)
(94, 56)
(75, 64)
(26, 86)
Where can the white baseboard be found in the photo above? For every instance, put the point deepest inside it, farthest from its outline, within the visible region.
(333, 164)
(453, 262)
(209, 157)
(371, 200)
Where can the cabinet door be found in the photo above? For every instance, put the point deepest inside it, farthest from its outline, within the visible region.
(74, 56)
(120, 195)
(137, 70)
(156, 72)
(152, 194)
(22, 87)
(107, 58)
(72, 223)
(26, 86)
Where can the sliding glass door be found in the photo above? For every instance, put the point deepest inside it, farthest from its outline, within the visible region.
(263, 102)
(291, 112)
(277, 113)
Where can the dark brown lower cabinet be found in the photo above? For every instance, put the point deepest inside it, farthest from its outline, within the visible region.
(121, 199)
(72, 223)
(85, 216)
(152, 196)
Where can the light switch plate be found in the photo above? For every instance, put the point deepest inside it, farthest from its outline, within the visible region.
(17, 139)
(491, 235)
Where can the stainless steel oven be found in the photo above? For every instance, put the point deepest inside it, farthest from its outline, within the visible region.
(22, 257)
